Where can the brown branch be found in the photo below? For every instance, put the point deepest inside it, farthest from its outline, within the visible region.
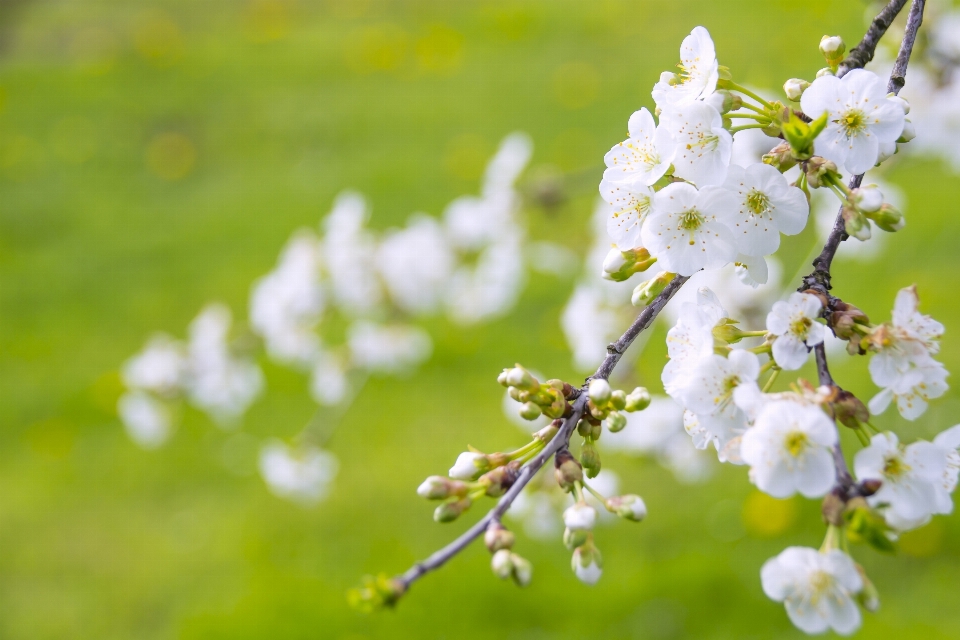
(615, 351)
(898, 77)
(861, 54)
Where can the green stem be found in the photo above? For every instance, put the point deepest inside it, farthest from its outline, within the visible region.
(744, 127)
(771, 379)
(764, 348)
(753, 334)
(749, 115)
(831, 540)
(578, 492)
(862, 437)
(596, 494)
(747, 92)
(747, 105)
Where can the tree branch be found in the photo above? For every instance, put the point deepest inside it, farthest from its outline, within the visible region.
(615, 351)
(898, 77)
(861, 54)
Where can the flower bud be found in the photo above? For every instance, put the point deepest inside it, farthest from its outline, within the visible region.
(909, 132)
(556, 409)
(599, 391)
(502, 564)
(376, 593)
(794, 88)
(499, 480)
(567, 470)
(502, 378)
(900, 102)
(450, 511)
(780, 157)
(620, 265)
(870, 487)
(869, 597)
(522, 570)
(548, 432)
(618, 399)
(849, 410)
(469, 465)
(439, 488)
(645, 292)
(855, 224)
(616, 421)
(498, 537)
(888, 218)
(826, 71)
(590, 459)
(845, 319)
(521, 379)
(529, 411)
(629, 507)
(573, 538)
(580, 517)
(832, 509)
(817, 168)
(868, 199)
(587, 564)
(832, 48)
(638, 400)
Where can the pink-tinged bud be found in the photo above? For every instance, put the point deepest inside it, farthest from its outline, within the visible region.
(440, 488)
(629, 507)
(567, 470)
(498, 537)
(502, 564)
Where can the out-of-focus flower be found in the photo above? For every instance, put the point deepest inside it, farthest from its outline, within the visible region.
(146, 418)
(302, 475)
(415, 263)
(387, 348)
(351, 255)
(159, 368)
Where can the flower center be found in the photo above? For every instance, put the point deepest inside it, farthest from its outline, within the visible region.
(820, 583)
(796, 442)
(757, 201)
(800, 327)
(691, 219)
(895, 467)
(853, 122)
(708, 141)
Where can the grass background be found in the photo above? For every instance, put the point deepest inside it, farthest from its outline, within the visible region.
(156, 155)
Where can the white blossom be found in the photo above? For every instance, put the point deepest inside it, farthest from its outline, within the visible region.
(691, 339)
(465, 468)
(147, 419)
(586, 565)
(916, 479)
(859, 118)
(303, 474)
(328, 379)
(416, 263)
(766, 207)
(794, 323)
(589, 324)
(351, 252)
(752, 271)
(638, 159)
(699, 145)
(687, 229)
(491, 287)
(580, 517)
(789, 450)
(158, 368)
(699, 72)
(630, 203)
(818, 589)
(387, 348)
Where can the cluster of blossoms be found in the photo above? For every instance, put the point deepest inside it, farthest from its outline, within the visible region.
(469, 264)
(674, 196)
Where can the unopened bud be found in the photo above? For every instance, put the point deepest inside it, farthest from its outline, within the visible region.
(521, 379)
(439, 488)
(645, 292)
(499, 480)
(469, 465)
(573, 538)
(849, 410)
(794, 88)
(869, 597)
(909, 131)
(587, 564)
(832, 509)
(629, 507)
(522, 570)
(870, 487)
(817, 169)
(638, 400)
(555, 410)
(832, 48)
(498, 537)
(826, 71)
(567, 470)
(502, 378)
(868, 199)
(548, 432)
(616, 421)
(618, 399)
(599, 391)
(619, 265)
(590, 459)
(780, 157)
(450, 511)
(855, 224)
(529, 411)
(888, 218)
(728, 333)
(580, 517)
(502, 564)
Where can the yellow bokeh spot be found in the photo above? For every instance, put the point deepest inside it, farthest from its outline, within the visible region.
(158, 39)
(923, 542)
(467, 156)
(381, 47)
(574, 149)
(268, 19)
(106, 391)
(766, 517)
(575, 84)
(171, 155)
(74, 139)
(440, 50)
(95, 50)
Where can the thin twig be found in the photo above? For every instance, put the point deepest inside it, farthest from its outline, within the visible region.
(615, 351)
(861, 54)
(898, 77)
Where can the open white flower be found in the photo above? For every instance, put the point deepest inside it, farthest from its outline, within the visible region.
(698, 144)
(686, 229)
(416, 263)
(816, 588)
(640, 157)
(795, 325)
(912, 386)
(859, 118)
(691, 338)
(752, 271)
(789, 450)
(630, 202)
(158, 368)
(698, 75)
(724, 431)
(912, 477)
(708, 387)
(766, 207)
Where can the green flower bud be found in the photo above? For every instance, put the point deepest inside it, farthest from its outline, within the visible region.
(450, 511)
(628, 507)
(376, 593)
(567, 470)
(599, 392)
(616, 421)
(440, 488)
(855, 224)
(888, 218)
(498, 537)
(548, 432)
(502, 564)
(556, 410)
(833, 48)
(529, 411)
(584, 428)
(618, 399)
(645, 292)
(780, 157)
(794, 88)
(826, 71)
(817, 168)
(869, 597)
(521, 379)
(621, 265)
(522, 570)
(638, 400)
(574, 538)
(499, 480)
(590, 459)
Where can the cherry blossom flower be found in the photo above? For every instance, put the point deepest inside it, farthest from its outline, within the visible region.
(691, 338)
(387, 348)
(639, 158)
(859, 118)
(916, 479)
(913, 386)
(752, 271)
(350, 255)
(697, 142)
(415, 263)
(686, 230)
(789, 450)
(794, 323)
(586, 564)
(147, 419)
(818, 589)
(159, 368)
(302, 475)
(630, 202)
(698, 75)
(724, 431)
(766, 207)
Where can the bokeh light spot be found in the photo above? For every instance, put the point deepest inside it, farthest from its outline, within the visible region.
(171, 155)
(575, 84)
(268, 19)
(467, 156)
(380, 47)
(440, 50)
(158, 39)
(52, 439)
(767, 517)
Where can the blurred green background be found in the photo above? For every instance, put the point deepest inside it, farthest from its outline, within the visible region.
(156, 155)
